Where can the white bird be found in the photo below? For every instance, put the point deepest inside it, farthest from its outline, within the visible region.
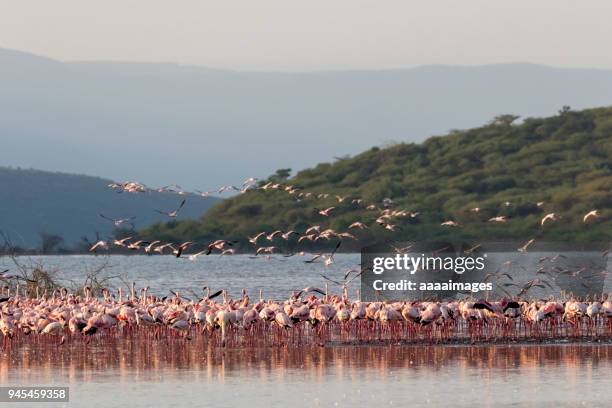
(499, 218)
(181, 248)
(121, 242)
(309, 237)
(137, 244)
(346, 235)
(172, 214)
(230, 251)
(314, 228)
(194, 257)
(149, 247)
(326, 211)
(129, 187)
(219, 244)
(283, 320)
(591, 214)
(401, 250)
(358, 224)
(382, 219)
(287, 234)
(449, 223)
(99, 244)
(270, 237)
(549, 217)
(160, 249)
(253, 240)
(227, 188)
(250, 180)
(527, 244)
(119, 221)
(267, 250)
(246, 188)
(173, 188)
(472, 249)
(53, 328)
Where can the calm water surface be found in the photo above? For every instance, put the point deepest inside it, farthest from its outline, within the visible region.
(276, 277)
(123, 375)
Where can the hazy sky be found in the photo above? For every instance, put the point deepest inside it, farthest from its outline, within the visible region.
(313, 34)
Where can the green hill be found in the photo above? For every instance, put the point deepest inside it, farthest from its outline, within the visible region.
(564, 161)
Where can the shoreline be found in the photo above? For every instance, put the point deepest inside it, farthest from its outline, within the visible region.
(279, 341)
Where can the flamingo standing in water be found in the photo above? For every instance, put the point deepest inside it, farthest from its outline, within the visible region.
(309, 315)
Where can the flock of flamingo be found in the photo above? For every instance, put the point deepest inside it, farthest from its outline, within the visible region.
(302, 319)
(385, 216)
(308, 317)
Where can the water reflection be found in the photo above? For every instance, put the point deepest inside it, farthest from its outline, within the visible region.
(129, 360)
(181, 373)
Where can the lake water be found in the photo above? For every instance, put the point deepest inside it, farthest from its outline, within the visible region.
(534, 375)
(275, 277)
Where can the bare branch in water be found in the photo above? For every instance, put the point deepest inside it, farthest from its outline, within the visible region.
(33, 278)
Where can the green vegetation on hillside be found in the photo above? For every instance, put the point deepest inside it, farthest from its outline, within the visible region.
(564, 161)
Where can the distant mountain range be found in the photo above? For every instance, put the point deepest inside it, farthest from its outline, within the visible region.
(34, 202)
(163, 123)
